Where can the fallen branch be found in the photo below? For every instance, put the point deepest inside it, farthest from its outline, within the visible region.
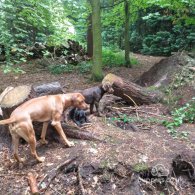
(76, 133)
(54, 172)
(148, 184)
(82, 190)
(33, 184)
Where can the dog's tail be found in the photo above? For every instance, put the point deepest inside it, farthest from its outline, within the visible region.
(8, 121)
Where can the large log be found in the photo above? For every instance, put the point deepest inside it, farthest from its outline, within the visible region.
(48, 89)
(71, 132)
(13, 97)
(131, 92)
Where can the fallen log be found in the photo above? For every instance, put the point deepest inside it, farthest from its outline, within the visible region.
(15, 97)
(69, 130)
(48, 89)
(131, 92)
(12, 97)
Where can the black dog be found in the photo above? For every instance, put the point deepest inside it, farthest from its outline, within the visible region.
(93, 95)
(78, 116)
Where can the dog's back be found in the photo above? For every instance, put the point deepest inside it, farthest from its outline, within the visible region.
(93, 94)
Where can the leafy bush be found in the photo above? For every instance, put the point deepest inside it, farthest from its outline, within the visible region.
(114, 57)
(158, 44)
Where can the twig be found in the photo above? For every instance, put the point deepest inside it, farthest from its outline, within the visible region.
(80, 180)
(136, 106)
(148, 184)
(33, 184)
(173, 185)
(56, 171)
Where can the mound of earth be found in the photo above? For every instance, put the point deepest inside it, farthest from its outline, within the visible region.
(162, 73)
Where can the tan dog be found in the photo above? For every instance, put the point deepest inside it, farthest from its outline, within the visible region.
(42, 109)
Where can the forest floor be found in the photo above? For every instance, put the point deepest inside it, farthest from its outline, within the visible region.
(105, 166)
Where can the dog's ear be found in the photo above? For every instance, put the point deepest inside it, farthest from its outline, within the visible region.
(107, 87)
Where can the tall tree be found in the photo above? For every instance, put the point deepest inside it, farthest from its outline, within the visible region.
(97, 73)
(127, 26)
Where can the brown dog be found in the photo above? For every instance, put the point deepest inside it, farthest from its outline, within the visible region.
(42, 109)
(93, 95)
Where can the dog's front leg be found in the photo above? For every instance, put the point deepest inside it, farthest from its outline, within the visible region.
(97, 109)
(43, 133)
(60, 131)
(91, 108)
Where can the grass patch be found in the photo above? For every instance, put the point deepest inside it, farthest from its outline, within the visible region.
(139, 167)
(83, 67)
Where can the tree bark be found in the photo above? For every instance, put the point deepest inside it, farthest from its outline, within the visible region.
(90, 37)
(131, 92)
(127, 46)
(97, 73)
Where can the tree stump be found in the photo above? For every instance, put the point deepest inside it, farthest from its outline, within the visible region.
(131, 92)
(16, 97)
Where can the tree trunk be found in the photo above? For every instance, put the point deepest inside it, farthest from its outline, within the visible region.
(131, 92)
(90, 37)
(127, 46)
(97, 73)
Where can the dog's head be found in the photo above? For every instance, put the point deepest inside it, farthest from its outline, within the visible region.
(78, 101)
(107, 87)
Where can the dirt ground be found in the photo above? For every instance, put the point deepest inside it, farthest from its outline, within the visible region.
(104, 166)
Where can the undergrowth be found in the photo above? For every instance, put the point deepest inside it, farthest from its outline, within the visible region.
(115, 57)
(184, 114)
(110, 58)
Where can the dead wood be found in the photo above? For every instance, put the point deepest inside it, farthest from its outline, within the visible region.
(69, 130)
(54, 172)
(80, 180)
(15, 97)
(76, 133)
(131, 92)
(48, 89)
(33, 184)
(184, 164)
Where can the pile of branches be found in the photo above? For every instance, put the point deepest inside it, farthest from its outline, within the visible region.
(72, 52)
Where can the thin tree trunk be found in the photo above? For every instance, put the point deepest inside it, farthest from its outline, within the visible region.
(127, 46)
(90, 37)
(97, 73)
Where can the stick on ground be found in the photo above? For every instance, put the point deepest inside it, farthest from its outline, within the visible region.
(80, 180)
(33, 184)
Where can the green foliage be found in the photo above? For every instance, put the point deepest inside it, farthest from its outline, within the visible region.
(166, 36)
(159, 44)
(185, 114)
(113, 57)
(139, 167)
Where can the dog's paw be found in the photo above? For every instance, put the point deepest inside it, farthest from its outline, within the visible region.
(71, 144)
(43, 141)
(22, 160)
(41, 159)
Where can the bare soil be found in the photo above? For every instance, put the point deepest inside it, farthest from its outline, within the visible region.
(104, 168)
